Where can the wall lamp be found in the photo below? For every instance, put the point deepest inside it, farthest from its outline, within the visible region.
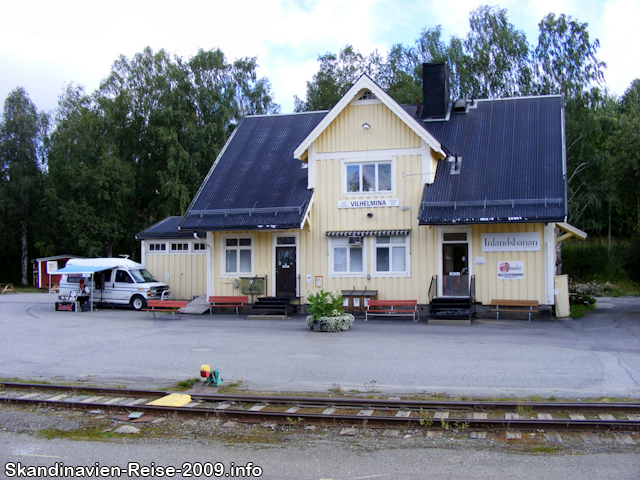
(366, 126)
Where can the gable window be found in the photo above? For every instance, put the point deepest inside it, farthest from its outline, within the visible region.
(157, 247)
(345, 259)
(371, 177)
(238, 255)
(391, 255)
(179, 247)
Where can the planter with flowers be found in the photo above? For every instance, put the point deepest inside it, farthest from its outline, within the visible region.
(326, 313)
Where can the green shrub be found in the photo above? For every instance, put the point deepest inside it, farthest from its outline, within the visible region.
(631, 261)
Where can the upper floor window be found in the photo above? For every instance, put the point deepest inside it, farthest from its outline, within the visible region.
(199, 247)
(369, 177)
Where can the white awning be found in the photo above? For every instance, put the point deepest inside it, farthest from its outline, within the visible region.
(80, 269)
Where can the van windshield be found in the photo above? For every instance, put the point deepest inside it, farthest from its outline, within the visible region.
(142, 276)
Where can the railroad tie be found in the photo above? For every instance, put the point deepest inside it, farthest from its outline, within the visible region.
(92, 399)
(292, 409)
(606, 416)
(257, 407)
(365, 413)
(403, 413)
(57, 398)
(328, 411)
(577, 416)
(544, 416)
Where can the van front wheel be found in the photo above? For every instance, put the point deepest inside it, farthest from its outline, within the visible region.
(138, 302)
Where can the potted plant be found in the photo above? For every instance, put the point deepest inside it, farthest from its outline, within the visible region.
(326, 313)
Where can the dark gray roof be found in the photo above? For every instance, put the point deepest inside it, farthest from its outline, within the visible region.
(167, 228)
(512, 167)
(256, 183)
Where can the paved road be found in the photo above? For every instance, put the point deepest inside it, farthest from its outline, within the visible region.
(597, 355)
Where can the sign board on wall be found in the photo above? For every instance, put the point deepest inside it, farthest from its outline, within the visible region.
(510, 270)
(382, 202)
(52, 266)
(511, 242)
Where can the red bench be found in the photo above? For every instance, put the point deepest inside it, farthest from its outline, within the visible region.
(392, 308)
(236, 301)
(166, 306)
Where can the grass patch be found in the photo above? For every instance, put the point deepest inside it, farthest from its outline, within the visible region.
(185, 384)
(90, 434)
(232, 387)
(578, 310)
(546, 449)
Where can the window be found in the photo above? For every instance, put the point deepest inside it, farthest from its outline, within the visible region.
(157, 247)
(123, 277)
(369, 177)
(199, 247)
(238, 255)
(391, 255)
(346, 259)
(179, 247)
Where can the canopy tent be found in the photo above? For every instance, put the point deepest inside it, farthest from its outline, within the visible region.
(84, 270)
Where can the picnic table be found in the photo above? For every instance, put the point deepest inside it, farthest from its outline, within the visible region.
(7, 287)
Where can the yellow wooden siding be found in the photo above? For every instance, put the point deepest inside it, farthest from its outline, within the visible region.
(488, 287)
(327, 217)
(387, 131)
(187, 273)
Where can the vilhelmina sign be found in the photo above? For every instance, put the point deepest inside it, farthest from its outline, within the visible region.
(382, 202)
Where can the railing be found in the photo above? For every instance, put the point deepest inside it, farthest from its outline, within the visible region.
(433, 288)
(472, 291)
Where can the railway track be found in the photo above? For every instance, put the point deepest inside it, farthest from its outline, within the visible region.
(341, 411)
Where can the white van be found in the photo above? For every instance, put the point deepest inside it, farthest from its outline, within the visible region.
(116, 281)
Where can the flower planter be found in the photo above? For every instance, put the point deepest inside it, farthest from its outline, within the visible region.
(330, 324)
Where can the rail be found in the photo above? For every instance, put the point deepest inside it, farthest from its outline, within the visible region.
(433, 288)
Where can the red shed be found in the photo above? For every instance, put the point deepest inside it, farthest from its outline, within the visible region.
(40, 273)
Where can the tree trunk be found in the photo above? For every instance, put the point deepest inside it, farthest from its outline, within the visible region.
(609, 234)
(25, 259)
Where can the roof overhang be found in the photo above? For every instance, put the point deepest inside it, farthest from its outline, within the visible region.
(570, 231)
(364, 82)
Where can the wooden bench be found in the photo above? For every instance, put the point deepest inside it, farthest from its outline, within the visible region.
(392, 308)
(7, 287)
(236, 301)
(517, 306)
(166, 306)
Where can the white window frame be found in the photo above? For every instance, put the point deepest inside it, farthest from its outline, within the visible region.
(153, 250)
(223, 255)
(171, 249)
(367, 161)
(374, 258)
(199, 249)
(331, 245)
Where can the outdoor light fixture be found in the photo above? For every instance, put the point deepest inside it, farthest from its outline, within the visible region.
(366, 126)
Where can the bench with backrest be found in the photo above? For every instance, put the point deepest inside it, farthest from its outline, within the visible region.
(165, 306)
(235, 301)
(392, 308)
(515, 306)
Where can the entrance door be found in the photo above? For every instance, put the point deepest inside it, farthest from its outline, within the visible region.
(455, 269)
(286, 271)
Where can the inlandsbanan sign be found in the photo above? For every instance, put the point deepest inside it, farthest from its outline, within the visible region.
(382, 202)
(511, 242)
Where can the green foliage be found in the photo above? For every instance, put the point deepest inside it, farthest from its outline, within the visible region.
(631, 261)
(23, 133)
(324, 304)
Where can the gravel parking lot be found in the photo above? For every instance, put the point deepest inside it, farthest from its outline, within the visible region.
(597, 355)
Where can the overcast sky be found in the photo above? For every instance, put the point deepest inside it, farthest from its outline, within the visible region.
(45, 45)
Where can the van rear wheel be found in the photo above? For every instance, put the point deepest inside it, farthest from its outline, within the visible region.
(138, 302)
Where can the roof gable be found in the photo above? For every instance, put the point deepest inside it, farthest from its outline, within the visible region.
(364, 82)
